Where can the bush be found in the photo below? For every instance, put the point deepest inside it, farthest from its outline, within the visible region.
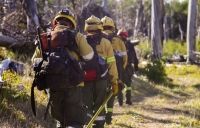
(155, 72)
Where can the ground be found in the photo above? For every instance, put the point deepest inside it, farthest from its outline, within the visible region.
(156, 106)
(175, 105)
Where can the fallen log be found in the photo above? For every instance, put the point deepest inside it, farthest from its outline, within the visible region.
(196, 53)
(9, 42)
(180, 58)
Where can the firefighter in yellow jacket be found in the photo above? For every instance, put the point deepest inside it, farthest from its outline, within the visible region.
(130, 69)
(98, 70)
(120, 54)
(67, 108)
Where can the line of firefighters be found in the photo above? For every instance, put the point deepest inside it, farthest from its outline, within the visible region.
(113, 49)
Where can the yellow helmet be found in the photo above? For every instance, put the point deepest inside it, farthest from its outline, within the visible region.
(107, 21)
(93, 23)
(65, 14)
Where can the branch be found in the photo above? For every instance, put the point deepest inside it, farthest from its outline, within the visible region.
(196, 53)
(9, 42)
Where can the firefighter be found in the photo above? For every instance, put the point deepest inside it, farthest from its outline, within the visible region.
(96, 79)
(130, 69)
(121, 56)
(66, 106)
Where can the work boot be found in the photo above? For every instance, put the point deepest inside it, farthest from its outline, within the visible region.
(108, 121)
(128, 97)
(120, 102)
(129, 102)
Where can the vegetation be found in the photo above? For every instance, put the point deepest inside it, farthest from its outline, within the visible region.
(171, 92)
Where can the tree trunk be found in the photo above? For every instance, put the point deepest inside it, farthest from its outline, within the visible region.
(139, 17)
(9, 42)
(32, 14)
(191, 30)
(90, 8)
(181, 32)
(161, 14)
(165, 26)
(172, 24)
(105, 6)
(198, 31)
(155, 31)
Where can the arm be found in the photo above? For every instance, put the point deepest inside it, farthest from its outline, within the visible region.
(111, 63)
(112, 67)
(124, 53)
(37, 54)
(135, 60)
(84, 49)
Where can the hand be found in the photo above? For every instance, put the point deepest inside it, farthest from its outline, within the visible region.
(115, 88)
(121, 85)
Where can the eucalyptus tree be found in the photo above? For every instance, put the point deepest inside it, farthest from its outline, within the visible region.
(139, 18)
(157, 28)
(191, 30)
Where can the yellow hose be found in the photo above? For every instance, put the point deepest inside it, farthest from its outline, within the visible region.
(99, 110)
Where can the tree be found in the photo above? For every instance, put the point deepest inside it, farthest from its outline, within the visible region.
(18, 26)
(91, 8)
(176, 13)
(31, 14)
(156, 28)
(139, 18)
(191, 30)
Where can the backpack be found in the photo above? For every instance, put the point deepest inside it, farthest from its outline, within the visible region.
(132, 58)
(118, 56)
(96, 68)
(58, 70)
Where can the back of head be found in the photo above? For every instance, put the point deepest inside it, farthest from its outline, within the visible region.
(107, 22)
(93, 23)
(65, 17)
(122, 33)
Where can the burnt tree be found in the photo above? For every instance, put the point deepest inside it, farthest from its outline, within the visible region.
(191, 30)
(91, 8)
(18, 27)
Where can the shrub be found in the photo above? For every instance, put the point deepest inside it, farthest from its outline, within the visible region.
(155, 72)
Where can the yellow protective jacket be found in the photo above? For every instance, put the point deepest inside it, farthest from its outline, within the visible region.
(84, 49)
(119, 46)
(104, 49)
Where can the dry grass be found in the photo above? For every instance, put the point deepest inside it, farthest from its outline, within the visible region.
(161, 106)
(176, 105)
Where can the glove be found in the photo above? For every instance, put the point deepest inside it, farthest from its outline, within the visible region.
(120, 85)
(120, 81)
(115, 88)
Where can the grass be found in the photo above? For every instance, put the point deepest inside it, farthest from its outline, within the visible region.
(160, 105)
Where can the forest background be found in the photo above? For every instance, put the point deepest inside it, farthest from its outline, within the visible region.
(164, 94)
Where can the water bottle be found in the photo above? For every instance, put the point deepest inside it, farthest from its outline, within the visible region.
(117, 53)
(101, 60)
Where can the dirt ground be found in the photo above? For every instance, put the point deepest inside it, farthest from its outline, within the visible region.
(157, 107)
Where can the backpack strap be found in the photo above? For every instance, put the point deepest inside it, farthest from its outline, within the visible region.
(72, 46)
(97, 40)
(49, 42)
(47, 108)
(109, 36)
(33, 100)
